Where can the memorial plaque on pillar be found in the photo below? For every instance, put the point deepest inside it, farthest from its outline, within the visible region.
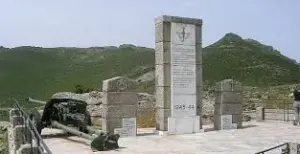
(226, 122)
(128, 128)
(183, 70)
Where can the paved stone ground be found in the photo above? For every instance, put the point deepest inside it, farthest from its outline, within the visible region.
(253, 138)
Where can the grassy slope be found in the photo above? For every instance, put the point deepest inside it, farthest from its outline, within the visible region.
(40, 72)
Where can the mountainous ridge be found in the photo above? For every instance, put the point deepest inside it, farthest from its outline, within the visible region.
(40, 72)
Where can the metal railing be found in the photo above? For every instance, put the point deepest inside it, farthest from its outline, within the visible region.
(30, 134)
(285, 149)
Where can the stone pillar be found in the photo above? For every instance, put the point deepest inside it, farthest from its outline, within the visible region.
(119, 106)
(18, 132)
(178, 74)
(228, 105)
(260, 114)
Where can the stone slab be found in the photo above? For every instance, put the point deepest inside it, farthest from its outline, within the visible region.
(177, 19)
(118, 84)
(183, 79)
(129, 127)
(182, 33)
(183, 105)
(228, 97)
(225, 109)
(183, 54)
(161, 118)
(162, 75)
(110, 124)
(120, 98)
(119, 111)
(162, 32)
(162, 53)
(163, 97)
(226, 122)
(184, 125)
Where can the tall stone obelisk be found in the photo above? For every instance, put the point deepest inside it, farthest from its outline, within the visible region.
(178, 74)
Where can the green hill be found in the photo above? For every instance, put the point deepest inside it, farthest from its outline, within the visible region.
(40, 72)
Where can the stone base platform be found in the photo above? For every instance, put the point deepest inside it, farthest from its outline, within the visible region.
(254, 137)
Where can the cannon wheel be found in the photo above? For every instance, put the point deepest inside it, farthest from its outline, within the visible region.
(88, 121)
(87, 118)
(35, 118)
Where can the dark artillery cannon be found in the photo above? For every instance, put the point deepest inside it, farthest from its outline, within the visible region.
(71, 115)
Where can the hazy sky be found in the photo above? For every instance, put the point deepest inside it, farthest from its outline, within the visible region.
(85, 23)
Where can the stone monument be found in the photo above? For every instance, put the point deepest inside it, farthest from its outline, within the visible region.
(228, 105)
(178, 74)
(119, 107)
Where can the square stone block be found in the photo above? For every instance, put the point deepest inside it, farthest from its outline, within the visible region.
(110, 124)
(198, 34)
(161, 118)
(229, 85)
(162, 52)
(163, 97)
(184, 125)
(238, 119)
(119, 111)
(228, 97)
(162, 32)
(162, 75)
(120, 98)
(199, 54)
(228, 109)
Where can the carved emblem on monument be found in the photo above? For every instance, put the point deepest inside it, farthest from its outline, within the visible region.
(121, 84)
(182, 34)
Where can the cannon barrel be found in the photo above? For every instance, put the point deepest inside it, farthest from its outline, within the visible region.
(76, 132)
(36, 101)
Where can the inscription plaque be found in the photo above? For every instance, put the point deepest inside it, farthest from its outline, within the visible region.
(128, 127)
(226, 122)
(183, 105)
(183, 34)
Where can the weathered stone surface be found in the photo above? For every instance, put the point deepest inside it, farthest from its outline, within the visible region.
(260, 114)
(177, 19)
(198, 35)
(162, 119)
(199, 75)
(226, 109)
(238, 119)
(110, 124)
(199, 58)
(162, 75)
(162, 32)
(163, 97)
(228, 97)
(228, 85)
(119, 111)
(120, 98)
(162, 53)
(118, 84)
